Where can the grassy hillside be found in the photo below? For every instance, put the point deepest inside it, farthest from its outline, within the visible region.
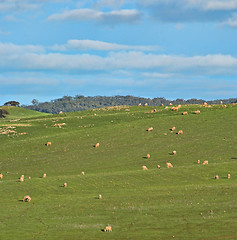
(183, 202)
(20, 113)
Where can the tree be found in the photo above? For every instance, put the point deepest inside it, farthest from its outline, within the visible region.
(12, 103)
(35, 102)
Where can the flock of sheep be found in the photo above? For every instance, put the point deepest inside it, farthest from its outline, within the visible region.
(108, 228)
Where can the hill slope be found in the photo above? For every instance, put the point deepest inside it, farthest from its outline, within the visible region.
(183, 202)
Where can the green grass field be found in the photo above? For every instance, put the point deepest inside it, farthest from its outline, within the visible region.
(183, 202)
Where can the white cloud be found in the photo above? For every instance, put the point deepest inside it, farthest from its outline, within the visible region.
(17, 5)
(232, 22)
(100, 46)
(157, 75)
(32, 58)
(13, 49)
(112, 17)
(220, 5)
(189, 10)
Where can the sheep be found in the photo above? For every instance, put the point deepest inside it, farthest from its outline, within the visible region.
(174, 152)
(21, 179)
(97, 145)
(205, 104)
(171, 104)
(48, 144)
(216, 177)
(22, 176)
(168, 165)
(144, 168)
(180, 132)
(175, 109)
(150, 129)
(100, 196)
(139, 104)
(198, 161)
(205, 162)
(65, 184)
(29, 177)
(61, 112)
(27, 198)
(184, 113)
(108, 229)
(82, 173)
(146, 104)
(228, 176)
(158, 166)
(173, 128)
(162, 105)
(1, 176)
(44, 176)
(197, 112)
(179, 106)
(148, 156)
(221, 102)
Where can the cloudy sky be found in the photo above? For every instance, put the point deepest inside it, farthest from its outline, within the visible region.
(148, 48)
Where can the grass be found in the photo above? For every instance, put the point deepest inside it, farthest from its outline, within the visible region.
(184, 202)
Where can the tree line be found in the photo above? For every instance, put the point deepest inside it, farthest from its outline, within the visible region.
(81, 103)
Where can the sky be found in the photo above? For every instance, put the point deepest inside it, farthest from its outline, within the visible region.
(146, 48)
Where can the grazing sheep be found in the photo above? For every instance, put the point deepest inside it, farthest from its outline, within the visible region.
(184, 113)
(179, 106)
(171, 104)
(197, 112)
(221, 102)
(82, 173)
(158, 166)
(198, 161)
(146, 104)
(44, 176)
(228, 176)
(22, 176)
(173, 128)
(162, 105)
(168, 165)
(61, 112)
(65, 184)
(175, 109)
(100, 196)
(216, 177)
(148, 156)
(180, 132)
(21, 179)
(108, 229)
(97, 145)
(48, 144)
(29, 178)
(150, 129)
(174, 152)
(139, 104)
(205, 162)
(155, 110)
(166, 107)
(205, 104)
(27, 198)
(1, 176)
(144, 168)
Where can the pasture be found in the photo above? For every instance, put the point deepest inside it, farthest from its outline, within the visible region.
(183, 202)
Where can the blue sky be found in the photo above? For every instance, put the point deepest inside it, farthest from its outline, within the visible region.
(148, 48)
